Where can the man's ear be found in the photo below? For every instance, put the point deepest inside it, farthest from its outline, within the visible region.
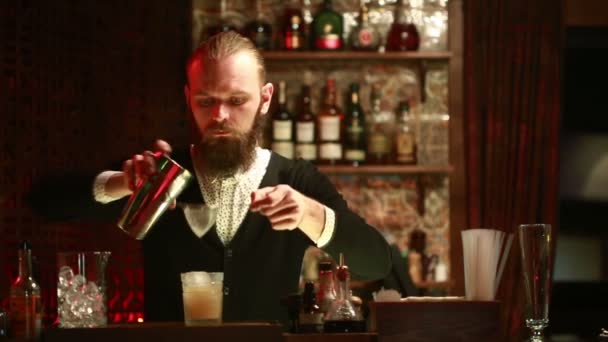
(266, 96)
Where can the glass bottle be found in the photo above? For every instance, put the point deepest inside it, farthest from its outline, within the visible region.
(222, 24)
(327, 28)
(330, 127)
(354, 139)
(379, 144)
(327, 289)
(282, 126)
(295, 35)
(405, 139)
(342, 316)
(364, 37)
(259, 30)
(403, 34)
(25, 305)
(310, 317)
(306, 147)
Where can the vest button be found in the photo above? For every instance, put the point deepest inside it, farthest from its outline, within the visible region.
(226, 290)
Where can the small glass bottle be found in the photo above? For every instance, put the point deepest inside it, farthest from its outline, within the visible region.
(403, 34)
(342, 316)
(306, 147)
(25, 305)
(311, 317)
(405, 139)
(327, 28)
(364, 37)
(327, 289)
(282, 126)
(259, 30)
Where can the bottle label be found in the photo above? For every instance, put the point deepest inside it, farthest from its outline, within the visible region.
(378, 144)
(328, 42)
(26, 320)
(405, 147)
(292, 41)
(330, 151)
(355, 155)
(305, 132)
(284, 148)
(281, 129)
(306, 151)
(330, 128)
(365, 37)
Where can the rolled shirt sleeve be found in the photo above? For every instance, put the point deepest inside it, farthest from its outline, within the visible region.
(99, 186)
(328, 228)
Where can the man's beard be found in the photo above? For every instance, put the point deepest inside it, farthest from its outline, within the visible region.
(225, 156)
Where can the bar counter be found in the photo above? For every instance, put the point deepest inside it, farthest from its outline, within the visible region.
(177, 331)
(459, 320)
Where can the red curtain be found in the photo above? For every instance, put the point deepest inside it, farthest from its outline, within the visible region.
(512, 55)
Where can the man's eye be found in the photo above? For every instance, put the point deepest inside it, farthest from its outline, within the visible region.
(205, 102)
(237, 100)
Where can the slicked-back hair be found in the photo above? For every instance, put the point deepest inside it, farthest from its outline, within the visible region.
(223, 45)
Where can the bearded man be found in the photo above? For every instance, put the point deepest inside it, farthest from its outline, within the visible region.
(250, 213)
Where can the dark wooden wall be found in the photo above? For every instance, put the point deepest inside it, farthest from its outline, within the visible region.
(84, 83)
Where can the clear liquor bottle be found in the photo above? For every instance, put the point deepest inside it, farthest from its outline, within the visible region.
(354, 140)
(330, 127)
(25, 305)
(380, 131)
(282, 126)
(342, 316)
(306, 147)
(327, 28)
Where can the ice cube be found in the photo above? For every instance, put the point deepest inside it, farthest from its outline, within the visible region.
(78, 282)
(65, 276)
(91, 289)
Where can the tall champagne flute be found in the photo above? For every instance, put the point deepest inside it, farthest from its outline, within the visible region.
(535, 243)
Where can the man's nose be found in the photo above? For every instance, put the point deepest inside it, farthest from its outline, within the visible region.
(220, 112)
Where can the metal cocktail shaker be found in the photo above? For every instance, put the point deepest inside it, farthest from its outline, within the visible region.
(153, 196)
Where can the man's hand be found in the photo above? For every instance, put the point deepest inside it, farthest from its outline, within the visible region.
(287, 209)
(139, 167)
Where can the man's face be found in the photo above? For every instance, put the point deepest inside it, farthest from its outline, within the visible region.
(227, 101)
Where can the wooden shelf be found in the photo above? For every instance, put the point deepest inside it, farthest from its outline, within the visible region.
(384, 169)
(362, 55)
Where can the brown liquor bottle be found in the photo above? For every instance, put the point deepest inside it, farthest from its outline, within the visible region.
(405, 138)
(330, 127)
